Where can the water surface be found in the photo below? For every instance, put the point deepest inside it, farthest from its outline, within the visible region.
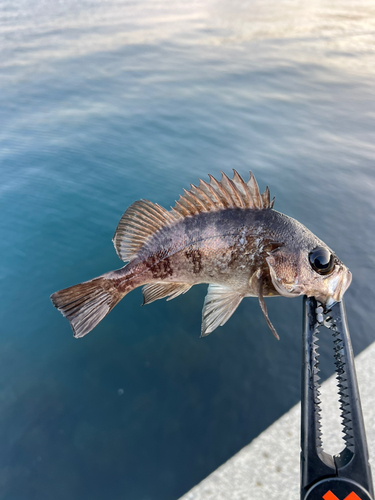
(106, 102)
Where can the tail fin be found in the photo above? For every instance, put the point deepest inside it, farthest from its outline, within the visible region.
(86, 304)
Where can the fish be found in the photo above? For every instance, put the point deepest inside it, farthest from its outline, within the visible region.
(223, 233)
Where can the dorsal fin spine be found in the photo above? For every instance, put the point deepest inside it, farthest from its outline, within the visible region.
(254, 189)
(180, 208)
(240, 183)
(226, 193)
(234, 193)
(176, 214)
(196, 195)
(213, 193)
(266, 197)
(194, 199)
(199, 192)
(188, 205)
(220, 190)
(169, 216)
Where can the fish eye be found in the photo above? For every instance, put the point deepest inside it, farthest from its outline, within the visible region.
(321, 260)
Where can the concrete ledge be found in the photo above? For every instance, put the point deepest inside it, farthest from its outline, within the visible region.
(268, 468)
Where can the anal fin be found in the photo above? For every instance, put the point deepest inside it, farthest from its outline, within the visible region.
(155, 291)
(219, 305)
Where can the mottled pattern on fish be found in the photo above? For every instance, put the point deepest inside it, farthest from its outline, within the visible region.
(222, 233)
(210, 248)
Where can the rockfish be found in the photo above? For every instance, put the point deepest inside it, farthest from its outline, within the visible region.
(224, 233)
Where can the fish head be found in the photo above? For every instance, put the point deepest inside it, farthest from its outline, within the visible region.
(310, 269)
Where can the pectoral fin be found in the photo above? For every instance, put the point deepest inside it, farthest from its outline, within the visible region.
(264, 307)
(219, 305)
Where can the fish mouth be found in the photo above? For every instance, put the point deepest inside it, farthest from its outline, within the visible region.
(338, 287)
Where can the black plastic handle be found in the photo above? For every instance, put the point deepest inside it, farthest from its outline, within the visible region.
(337, 489)
(346, 476)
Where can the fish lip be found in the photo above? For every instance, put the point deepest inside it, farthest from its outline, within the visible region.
(330, 302)
(341, 287)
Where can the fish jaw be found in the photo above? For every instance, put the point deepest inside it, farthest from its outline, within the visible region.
(336, 288)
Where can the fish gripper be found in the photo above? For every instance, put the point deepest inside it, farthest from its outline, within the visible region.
(347, 475)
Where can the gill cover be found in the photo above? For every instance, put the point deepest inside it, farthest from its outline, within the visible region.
(284, 270)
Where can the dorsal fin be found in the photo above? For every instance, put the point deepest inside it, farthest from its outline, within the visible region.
(226, 193)
(143, 218)
(140, 221)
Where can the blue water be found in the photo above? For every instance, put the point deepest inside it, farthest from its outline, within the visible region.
(103, 103)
